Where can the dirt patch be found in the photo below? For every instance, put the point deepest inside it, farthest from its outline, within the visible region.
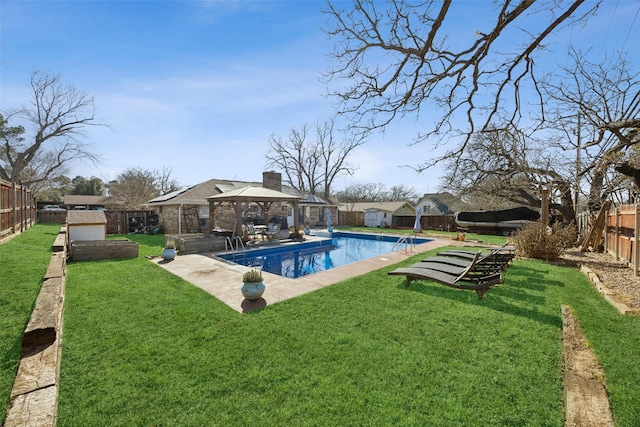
(616, 277)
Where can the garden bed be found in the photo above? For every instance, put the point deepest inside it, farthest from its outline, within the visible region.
(85, 250)
(196, 243)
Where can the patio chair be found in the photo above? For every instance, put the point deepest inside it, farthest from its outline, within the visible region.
(467, 279)
(273, 231)
(254, 232)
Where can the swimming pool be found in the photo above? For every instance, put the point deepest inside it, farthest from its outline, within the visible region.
(308, 258)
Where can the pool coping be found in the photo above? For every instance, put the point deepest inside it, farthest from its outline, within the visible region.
(223, 279)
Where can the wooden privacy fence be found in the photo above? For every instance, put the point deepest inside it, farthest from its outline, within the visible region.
(17, 209)
(621, 237)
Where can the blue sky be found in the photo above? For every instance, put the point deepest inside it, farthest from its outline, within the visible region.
(200, 86)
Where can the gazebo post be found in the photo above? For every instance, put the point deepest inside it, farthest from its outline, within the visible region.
(212, 216)
(238, 208)
(296, 214)
(250, 194)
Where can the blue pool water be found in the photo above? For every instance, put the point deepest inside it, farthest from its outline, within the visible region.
(313, 257)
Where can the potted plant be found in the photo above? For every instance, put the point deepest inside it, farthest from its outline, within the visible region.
(253, 287)
(169, 250)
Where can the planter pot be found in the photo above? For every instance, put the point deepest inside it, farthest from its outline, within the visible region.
(168, 254)
(252, 290)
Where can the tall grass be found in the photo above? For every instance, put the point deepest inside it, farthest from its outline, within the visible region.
(143, 347)
(23, 263)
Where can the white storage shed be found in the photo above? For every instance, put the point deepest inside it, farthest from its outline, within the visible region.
(86, 225)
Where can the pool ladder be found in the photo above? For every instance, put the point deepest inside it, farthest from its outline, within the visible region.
(408, 242)
(228, 244)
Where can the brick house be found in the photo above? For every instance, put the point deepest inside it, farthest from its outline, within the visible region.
(188, 210)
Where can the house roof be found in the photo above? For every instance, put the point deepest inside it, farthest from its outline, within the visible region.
(445, 202)
(86, 217)
(198, 194)
(79, 199)
(381, 206)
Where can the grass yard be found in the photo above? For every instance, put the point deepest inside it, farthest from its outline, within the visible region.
(143, 347)
(23, 263)
(484, 238)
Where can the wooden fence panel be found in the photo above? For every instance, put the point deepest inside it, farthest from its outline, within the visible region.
(17, 209)
(351, 218)
(438, 222)
(621, 237)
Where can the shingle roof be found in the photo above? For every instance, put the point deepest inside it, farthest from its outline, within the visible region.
(253, 194)
(198, 194)
(86, 217)
(381, 206)
(79, 199)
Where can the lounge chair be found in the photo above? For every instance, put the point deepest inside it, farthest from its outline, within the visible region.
(458, 266)
(498, 258)
(467, 278)
(485, 263)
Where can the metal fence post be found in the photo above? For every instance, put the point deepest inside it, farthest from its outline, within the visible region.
(636, 225)
(617, 234)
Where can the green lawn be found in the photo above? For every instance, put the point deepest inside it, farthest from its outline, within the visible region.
(486, 239)
(143, 347)
(163, 352)
(23, 263)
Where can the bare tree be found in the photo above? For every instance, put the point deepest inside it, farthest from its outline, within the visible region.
(311, 160)
(402, 193)
(358, 193)
(59, 115)
(601, 101)
(371, 192)
(511, 169)
(394, 60)
(134, 187)
(164, 182)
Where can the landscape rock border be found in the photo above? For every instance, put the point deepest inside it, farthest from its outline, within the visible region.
(34, 396)
(607, 293)
(585, 391)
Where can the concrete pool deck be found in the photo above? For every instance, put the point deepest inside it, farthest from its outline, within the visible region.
(223, 279)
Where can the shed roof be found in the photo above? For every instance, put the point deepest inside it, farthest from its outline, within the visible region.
(86, 217)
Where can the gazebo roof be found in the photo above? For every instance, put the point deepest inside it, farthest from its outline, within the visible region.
(253, 194)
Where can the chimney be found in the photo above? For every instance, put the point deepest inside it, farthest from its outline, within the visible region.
(272, 180)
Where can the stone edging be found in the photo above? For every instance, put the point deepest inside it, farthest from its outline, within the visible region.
(585, 393)
(35, 390)
(607, 293)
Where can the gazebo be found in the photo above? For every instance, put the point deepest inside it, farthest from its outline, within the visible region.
(263, 197)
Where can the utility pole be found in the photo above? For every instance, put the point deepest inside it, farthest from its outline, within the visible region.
(576, 188)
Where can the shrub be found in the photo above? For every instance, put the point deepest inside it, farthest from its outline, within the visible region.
(539, 241)
(252, 276)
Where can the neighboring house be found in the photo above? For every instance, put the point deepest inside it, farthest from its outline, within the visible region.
(438, 204)
(86, 225)
(81, 202)
(438, 210)
(378, 214)
(188, 211)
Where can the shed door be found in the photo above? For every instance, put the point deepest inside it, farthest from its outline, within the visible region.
(371, 219)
